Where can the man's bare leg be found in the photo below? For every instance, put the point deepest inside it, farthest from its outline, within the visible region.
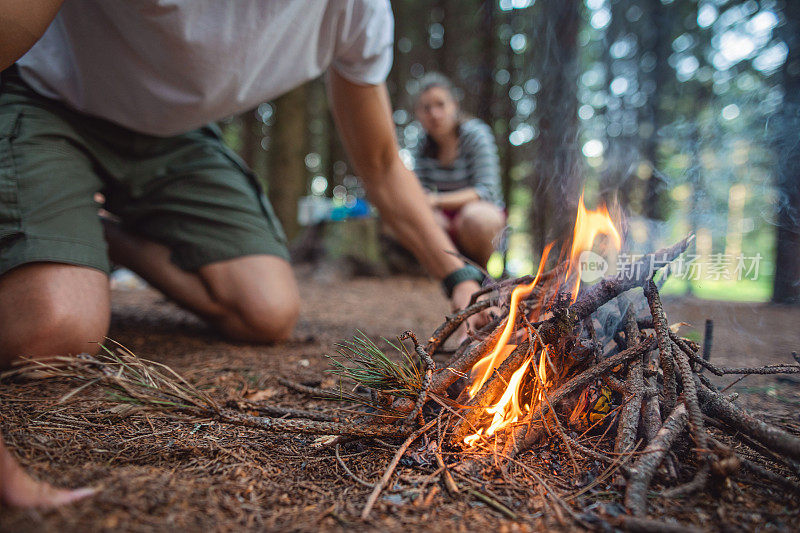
(252, 298)
(47, 309)
(52, 309)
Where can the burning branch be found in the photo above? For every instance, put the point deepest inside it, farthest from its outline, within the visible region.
(541, 361)
(634, 385)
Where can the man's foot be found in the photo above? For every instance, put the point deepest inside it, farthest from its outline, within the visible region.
(18, 489)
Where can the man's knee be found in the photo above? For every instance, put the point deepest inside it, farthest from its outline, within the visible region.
(52, 309)
(270, 320)
(60, 329)
(258, 297)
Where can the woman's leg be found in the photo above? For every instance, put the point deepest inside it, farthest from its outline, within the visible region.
(477, 227)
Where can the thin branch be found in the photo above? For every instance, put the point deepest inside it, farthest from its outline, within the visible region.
(390, 469)
(652, 456)
(521, 439)
(348, 471)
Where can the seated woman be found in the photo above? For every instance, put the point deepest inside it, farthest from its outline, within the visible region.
(457, 162)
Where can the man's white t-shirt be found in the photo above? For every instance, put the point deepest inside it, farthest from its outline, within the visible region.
(164, 67)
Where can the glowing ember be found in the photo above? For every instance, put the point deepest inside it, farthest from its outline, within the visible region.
(510, 408)
(543, 370)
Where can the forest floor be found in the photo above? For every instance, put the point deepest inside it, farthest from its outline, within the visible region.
(156, 473)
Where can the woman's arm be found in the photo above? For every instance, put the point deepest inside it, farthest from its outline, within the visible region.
(484, 163)
(453, 200)
(363, 118)
(480, 151)
(22, 23)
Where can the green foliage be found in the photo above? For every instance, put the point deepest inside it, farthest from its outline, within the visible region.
(364, 363)
(758, 290)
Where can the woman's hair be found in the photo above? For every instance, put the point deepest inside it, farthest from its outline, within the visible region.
(436, 79)
(429, 81)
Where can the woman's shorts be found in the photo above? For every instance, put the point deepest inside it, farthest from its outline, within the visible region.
(189, 192)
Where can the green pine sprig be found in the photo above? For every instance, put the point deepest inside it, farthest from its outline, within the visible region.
(364, 363)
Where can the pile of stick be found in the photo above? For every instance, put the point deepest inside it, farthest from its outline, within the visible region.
(658, 373)
(667, 402)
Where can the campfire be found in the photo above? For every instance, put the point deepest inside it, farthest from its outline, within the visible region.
(526, 387)
(595, 372)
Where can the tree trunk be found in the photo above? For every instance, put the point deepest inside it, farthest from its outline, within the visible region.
(661, 19)
(488, 31)
(622, 149)
(786, 285)
(399, 73)
(251, 150)
(337, 158)
(556, 176)
(448, 53)
(287, 171)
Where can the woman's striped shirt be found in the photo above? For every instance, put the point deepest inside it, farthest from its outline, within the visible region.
(476, 164)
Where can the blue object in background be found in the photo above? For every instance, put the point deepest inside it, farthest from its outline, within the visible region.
(359, 209)
(315, 209)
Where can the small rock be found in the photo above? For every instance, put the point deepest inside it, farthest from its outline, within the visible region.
(396, 499)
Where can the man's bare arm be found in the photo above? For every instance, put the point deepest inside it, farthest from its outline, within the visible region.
(363, 118)
(22, 23)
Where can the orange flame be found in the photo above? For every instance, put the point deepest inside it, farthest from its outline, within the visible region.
(543, 368)
(486, 366)
(509, 408)
(588, 225)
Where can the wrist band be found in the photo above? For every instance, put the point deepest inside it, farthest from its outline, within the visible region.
(465, 273)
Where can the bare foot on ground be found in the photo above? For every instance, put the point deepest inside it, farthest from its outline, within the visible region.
(18, 489)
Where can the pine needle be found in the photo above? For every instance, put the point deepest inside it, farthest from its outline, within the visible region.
(126, 378)
(364, 363)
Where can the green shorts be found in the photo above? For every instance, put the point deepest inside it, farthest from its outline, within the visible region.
(189, 192)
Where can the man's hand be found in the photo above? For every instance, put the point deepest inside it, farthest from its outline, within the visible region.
(460, 299)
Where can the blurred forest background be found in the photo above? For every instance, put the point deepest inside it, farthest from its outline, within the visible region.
(685, 112)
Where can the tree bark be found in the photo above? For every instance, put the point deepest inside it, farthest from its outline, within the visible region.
(287, 171)
(622, 153)
(448, 53)
(556, 175)
(661, 19)
(251, 150)
(786, 285)
(488, 31)
(651, 457)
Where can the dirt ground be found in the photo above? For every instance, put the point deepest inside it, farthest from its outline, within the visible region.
(160, 474)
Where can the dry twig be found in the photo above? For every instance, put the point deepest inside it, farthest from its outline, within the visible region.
(652, 456)
(390, 469)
